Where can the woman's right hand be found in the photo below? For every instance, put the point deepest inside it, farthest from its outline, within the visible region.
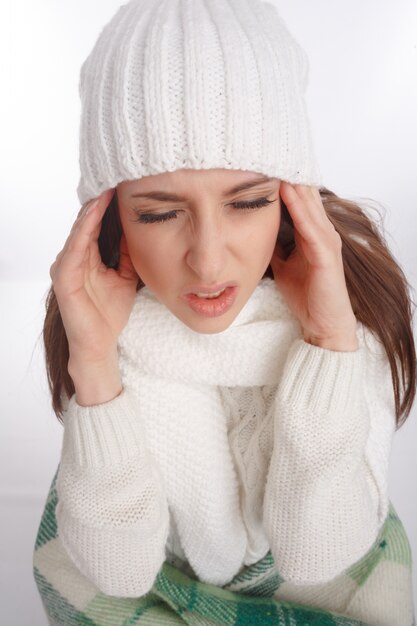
(95, 301)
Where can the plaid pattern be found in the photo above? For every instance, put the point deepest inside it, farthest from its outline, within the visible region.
(251, 598)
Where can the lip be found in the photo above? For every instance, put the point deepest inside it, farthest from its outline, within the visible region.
(193, 289)
(212, 307)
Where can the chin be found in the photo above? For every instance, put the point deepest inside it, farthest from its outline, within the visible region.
(207, 325)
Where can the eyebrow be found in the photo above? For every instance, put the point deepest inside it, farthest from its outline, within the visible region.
(170, 197)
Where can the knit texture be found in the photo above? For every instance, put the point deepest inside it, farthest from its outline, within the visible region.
(173, 84)
(373, 592)
(222, 447)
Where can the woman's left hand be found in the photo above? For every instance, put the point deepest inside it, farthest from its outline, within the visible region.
(312, 279)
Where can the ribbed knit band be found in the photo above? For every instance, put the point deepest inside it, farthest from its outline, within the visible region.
(174, 84)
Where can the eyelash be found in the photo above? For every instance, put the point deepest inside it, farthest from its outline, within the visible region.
(149, 218)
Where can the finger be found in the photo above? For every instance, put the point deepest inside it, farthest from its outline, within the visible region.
(82, 244)
(85, 206)
(81, 214)
(308, 214)
(126, 269)
(79, 224)
(310, 199)
(100, 203)
(103, 201)
(290, 272)
(307, 191)
(315, 235)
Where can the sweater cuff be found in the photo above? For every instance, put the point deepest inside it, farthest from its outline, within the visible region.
(321, 380)
(103, 434)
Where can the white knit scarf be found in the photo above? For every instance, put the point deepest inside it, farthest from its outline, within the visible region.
(176, 375)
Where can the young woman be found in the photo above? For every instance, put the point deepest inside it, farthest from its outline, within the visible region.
(228, 344)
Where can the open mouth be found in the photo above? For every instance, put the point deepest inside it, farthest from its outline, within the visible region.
(211, 296)
(213, 304)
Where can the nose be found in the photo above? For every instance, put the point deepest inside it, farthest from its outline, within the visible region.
(207, 251)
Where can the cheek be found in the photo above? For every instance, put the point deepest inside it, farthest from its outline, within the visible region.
(149, 251)
(264, 236)
(137, 245)
(141, 250)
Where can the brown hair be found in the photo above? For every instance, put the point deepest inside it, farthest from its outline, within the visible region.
(378, 291)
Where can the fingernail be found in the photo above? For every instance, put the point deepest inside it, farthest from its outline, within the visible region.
(91, 205)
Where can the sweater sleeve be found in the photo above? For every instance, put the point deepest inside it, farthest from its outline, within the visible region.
(326, 495)
(112, 511)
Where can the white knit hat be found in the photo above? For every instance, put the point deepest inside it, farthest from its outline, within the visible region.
(173, 84)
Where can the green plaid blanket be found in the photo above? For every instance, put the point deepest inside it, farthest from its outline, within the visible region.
(251, 598)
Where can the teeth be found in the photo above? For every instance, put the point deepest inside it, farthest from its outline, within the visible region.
(209, 295)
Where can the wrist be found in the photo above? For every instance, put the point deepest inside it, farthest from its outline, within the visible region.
(95, 382)
(345, 343)
(80, 361)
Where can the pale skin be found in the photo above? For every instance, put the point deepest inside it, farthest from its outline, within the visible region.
(210, 241)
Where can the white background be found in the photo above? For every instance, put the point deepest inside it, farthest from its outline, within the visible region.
(362, 99)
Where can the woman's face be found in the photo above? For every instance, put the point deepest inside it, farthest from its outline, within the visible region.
(189, 232)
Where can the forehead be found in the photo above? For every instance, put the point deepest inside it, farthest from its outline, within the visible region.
(189, 180)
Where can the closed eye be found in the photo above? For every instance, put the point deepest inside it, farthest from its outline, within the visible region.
(151, 218)
(253, 204)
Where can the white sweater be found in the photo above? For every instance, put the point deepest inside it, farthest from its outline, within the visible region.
(213, 476)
